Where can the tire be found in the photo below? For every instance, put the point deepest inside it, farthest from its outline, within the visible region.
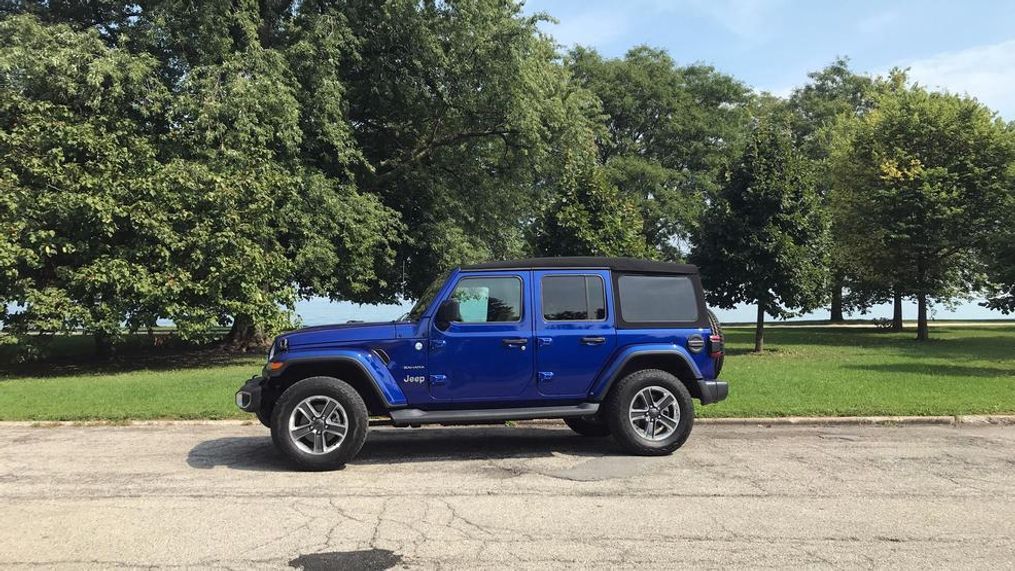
(630, 393)
(319, 393)
(591, 426)
(264, 416)
(713, 321)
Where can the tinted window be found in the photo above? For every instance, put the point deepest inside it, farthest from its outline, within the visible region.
(487, 300)
(573, 298)
(648, 299)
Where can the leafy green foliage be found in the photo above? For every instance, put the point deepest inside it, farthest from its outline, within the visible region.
(764, 237)
(926, 177)
(212, 162)
(467, 124)
(669, 129)
(134, 200)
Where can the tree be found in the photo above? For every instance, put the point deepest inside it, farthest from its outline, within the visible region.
(466, 122)
(669, 128)
(591, 218)
(764, 236)
(73, 151)
(833, 92)
(285, 149)
(927, 177)
(134, 199)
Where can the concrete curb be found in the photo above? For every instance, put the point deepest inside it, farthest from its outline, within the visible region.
(960, 420)
(866, 420)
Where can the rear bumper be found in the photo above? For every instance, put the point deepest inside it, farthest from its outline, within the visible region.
(713, 391)
(248, 398)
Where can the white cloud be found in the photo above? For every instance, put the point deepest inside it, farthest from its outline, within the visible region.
(984, 72)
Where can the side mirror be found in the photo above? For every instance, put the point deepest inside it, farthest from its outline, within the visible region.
(448, 312)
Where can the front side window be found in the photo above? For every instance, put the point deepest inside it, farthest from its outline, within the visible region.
(654, 299)
(489, 300)
(573, 298)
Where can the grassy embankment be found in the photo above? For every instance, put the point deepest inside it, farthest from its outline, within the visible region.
(834, 371)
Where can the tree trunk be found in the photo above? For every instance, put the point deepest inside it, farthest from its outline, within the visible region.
(245, 335)
(837, 303)
(922, 330)
(897, 310)
(759, 331)
(103, 345)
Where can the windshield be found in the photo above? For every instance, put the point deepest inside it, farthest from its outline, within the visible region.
(425, 300)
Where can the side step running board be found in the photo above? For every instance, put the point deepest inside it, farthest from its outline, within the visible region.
(413, 416)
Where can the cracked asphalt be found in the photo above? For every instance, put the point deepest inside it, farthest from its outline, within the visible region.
(218, 495)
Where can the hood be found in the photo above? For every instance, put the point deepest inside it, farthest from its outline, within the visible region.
(338, 334)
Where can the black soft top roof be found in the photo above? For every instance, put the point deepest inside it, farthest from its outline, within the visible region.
(589, 262)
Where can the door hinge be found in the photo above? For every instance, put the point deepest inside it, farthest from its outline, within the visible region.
(545, 376)
(437, 343)
(438, 379)
(544, 341)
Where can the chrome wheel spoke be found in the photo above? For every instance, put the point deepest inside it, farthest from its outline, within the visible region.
(301, 431)
(329, 408)
(668, 422)
(336, 429)
(666, 401)
(307, 410)
(319, 442)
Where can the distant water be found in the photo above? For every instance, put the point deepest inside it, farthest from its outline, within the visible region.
(321, 311)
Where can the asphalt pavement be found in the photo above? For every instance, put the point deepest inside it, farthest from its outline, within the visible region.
(218, 495)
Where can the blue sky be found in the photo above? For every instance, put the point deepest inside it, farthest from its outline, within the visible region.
(963, 47)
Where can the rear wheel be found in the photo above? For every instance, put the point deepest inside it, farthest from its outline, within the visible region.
(588, 426)
(320, 423)
(650, 413)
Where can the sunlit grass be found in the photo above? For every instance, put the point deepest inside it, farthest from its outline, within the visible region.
(840, 371)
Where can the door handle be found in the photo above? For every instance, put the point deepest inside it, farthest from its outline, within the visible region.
(515, 341)
(593, 340)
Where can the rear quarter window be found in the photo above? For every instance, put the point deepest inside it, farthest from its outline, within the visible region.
(657, 299)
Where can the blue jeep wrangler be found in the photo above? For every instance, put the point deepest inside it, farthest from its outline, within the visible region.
(614, 346)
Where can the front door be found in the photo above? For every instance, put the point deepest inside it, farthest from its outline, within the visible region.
(574, 327)
(487, 355)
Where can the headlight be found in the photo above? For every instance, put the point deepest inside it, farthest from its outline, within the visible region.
(271, 352)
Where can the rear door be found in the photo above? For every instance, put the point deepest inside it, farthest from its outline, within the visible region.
(574, 327)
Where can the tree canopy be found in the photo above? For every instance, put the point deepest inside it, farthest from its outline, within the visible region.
(764, 239)
(211, 163)
(926, 183)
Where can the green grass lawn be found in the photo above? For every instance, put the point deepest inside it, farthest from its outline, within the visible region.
(836, 371)
(846, 371)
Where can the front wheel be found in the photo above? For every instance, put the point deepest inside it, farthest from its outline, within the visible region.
(650, 413)
(320, 423)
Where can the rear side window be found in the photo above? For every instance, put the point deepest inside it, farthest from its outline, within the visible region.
(657, 299)
(489, 300)
(573, 298)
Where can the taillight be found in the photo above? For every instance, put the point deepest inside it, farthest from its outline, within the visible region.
(715, 345)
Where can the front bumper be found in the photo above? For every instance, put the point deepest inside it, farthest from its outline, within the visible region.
(713, 391)
(248, 398)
